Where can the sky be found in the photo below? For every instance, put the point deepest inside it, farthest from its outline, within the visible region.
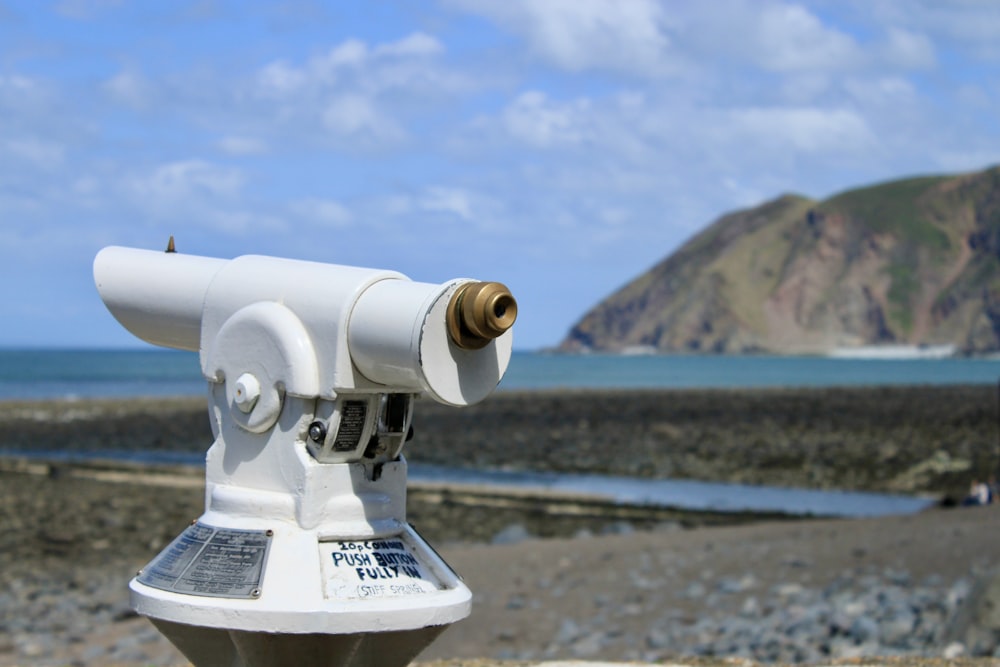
(562, 147)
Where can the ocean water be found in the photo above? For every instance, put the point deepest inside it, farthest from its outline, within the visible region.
(684, 494)
(34, 374)
(536, 371)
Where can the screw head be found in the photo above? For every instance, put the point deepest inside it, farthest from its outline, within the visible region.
(246, 392)
(317, 431)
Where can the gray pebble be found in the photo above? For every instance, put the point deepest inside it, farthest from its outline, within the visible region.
(512, 534)
(864, 629)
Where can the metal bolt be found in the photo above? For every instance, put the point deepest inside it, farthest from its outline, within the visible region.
(255, 593)
(317, 431)
(247, 391)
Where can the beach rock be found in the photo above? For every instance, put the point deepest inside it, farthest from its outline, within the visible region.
(695, 590)
(864, 629)
(618, 528)
(732, 585)
(658, 638)
(976, 625)
(896, 631)
(588, 645)
(512, 534)
(953, 650)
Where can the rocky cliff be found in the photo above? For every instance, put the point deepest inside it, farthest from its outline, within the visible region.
(910, 262)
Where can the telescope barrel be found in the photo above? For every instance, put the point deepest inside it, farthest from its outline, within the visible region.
(157, 296)
(361, 328)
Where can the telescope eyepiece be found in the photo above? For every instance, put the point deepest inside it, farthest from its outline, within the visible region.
(480, 312)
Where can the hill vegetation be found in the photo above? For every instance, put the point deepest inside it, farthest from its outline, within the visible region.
(911, 262)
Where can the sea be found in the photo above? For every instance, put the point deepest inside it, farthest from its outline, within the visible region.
(78, 374)
(27, 374)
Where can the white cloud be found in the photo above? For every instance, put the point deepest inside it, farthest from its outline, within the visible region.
(418, 44)
(807, 130)
(805, 87)
(625, 132)
(394, 205)
(582, 35)
(352, 53)
(322, 212)
(236, 222)
(182, 196)
(356, 115)
(649, 38)
(453, 201)
(909, 49)
(742, 193)
(443, 203)
(354, 93)
(969, 26)
(242, 145)
(86, 186)
(787, 37)
(891, 93)
(279, 79)
(21, 94)
(623, 124)
(352, 62)
(615, 215)
(188, 179)
(967, 159)
(37, 153)
(16, 84)
(131, 89)
(791, 38)
(533, 119)
(973, 96)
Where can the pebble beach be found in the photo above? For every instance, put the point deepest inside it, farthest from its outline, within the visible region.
(552, 586)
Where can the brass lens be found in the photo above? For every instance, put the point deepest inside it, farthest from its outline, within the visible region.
(480, 312)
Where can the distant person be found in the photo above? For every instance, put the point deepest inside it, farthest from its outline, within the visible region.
(979, 494)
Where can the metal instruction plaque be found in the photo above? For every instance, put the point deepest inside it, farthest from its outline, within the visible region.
(211, 562)
(353, 415)
(385, 568)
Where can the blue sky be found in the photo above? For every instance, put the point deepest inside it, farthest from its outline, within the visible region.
(560, 146)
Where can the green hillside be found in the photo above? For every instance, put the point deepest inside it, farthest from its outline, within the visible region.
(909, 262)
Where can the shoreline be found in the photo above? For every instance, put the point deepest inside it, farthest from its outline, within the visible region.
(435, 505)
(895, 352)
(896, 439)
(560, 493)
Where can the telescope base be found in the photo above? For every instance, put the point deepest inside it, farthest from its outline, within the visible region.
(251, 596)
(213, 647)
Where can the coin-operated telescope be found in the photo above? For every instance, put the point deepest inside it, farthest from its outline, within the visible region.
(303, 555)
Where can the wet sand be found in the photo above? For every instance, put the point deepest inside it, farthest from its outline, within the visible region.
(927, 439)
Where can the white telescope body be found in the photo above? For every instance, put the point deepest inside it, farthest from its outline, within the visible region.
(369, 329)
(303, 554)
